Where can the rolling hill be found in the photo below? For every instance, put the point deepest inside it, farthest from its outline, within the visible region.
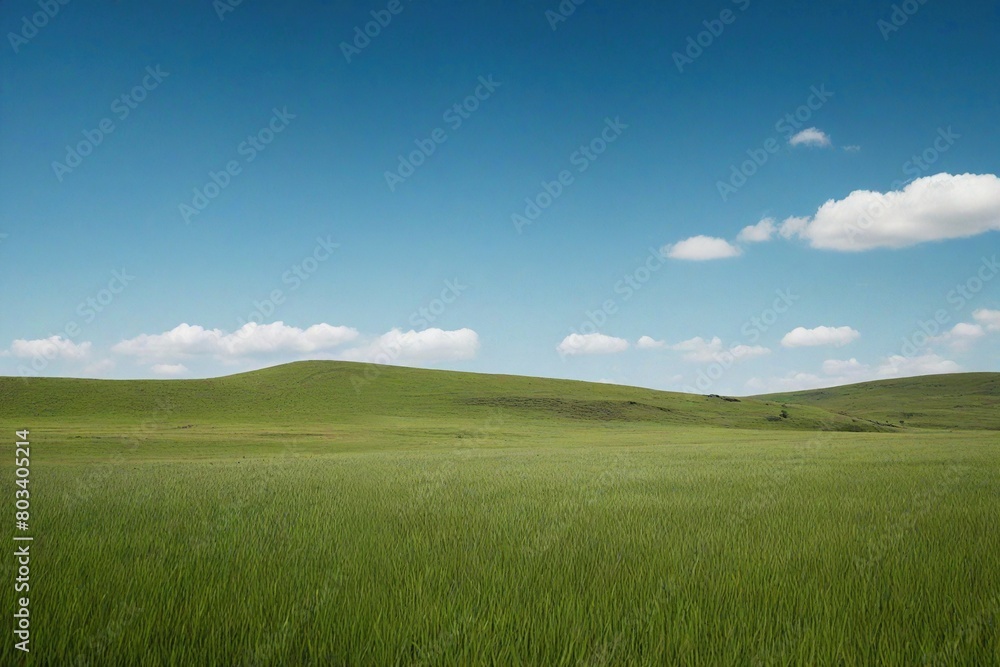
(344, 393)
(954, 401)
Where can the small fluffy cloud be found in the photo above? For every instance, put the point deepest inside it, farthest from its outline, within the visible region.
(966, 330)
(169, 370)
(648, 343)
(700, 350)
(427, 346)
(853, 148)
(762, 231)
(701, 248)
(251, 339)
(836, 336)
(810, 137)
(53, 347)
(748, 351)
(593, 343)
(925, 364)
(896, 365)
(961, 336)
(932, 208)
(845, 368)
(988, 318)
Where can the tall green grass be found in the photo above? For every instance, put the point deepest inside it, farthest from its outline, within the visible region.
(342, 514)
(516, 546)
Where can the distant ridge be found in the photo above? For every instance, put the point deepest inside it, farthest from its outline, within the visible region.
(335, 392)
(952, 401)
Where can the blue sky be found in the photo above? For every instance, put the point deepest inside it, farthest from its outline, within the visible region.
(729, 197)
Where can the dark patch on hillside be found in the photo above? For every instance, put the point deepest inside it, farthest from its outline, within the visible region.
(567, 408)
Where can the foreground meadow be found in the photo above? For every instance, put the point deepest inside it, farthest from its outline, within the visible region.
(504, 545)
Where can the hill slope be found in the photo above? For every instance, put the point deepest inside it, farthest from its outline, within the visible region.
(331, 392)
(961, 400)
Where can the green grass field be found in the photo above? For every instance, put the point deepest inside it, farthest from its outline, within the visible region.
(299, 515)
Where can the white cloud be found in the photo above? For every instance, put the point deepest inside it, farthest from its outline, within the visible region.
(169, 369)
(251, 339)
(988, 318)
(810, 136)
(793, 227)
(593, 343)
(53, 347)
(837, 336)
(648, 343)
(845, 368)
(762, 231)
(966, 330)
(748, 351)
(853, 148)
(961, 336)
(933, 208)
(850, 371)
(925, 364)
(699, 350)
(427, 346)
(701, 248)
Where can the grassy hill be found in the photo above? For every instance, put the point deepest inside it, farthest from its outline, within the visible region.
(343, 393)
(961, 400)
(327, 513)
